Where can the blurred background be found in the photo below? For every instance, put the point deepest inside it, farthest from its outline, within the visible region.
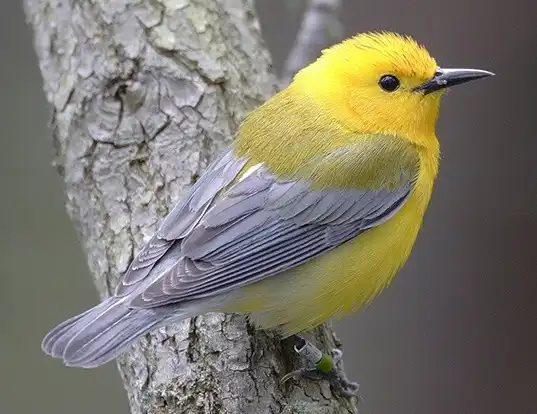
(455, 332)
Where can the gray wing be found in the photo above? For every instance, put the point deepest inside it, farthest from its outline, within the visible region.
(179, 222)
(255, 228)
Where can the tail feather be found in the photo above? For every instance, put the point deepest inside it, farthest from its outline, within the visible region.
(97, 355)
(95, 328)
(54, 343)
(100, 334)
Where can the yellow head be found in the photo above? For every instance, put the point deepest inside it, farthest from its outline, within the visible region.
(381, 83)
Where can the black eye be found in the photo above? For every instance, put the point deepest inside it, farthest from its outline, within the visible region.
(389, 83)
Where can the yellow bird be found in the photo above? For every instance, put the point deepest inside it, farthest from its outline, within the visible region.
(309, 215)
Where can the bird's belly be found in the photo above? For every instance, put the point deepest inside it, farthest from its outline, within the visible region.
(337, 282)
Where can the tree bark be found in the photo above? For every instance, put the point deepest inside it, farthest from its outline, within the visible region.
(144, 94)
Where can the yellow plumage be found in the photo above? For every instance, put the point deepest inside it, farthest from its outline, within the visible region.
(309, 215)
(336, 103)
(336, 283)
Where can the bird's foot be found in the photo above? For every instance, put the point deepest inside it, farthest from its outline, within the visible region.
(324, 367)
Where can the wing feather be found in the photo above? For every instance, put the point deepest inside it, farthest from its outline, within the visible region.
(232, 229)
(251, 233)
(180, 221)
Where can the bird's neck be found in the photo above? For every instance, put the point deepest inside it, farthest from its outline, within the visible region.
(362, 112)
(421, 135)
(289, 131)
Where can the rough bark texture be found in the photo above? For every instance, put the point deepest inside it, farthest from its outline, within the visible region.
(144, 94)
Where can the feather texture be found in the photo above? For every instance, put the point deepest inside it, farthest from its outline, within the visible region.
(310, 213)
(261, 226)
(237, 225)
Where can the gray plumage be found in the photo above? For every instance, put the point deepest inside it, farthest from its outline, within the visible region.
(227, 232)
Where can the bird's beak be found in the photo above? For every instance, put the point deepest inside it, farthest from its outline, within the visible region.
(444, 78)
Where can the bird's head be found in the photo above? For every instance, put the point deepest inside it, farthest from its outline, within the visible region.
(382, 83)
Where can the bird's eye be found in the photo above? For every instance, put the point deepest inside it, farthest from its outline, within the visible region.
(389, 83)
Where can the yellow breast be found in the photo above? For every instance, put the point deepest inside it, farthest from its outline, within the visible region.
(339, 281)
(351, 275)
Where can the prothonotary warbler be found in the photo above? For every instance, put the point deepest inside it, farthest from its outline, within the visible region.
(309, 214)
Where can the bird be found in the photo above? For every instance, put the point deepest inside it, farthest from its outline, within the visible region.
(307, 216)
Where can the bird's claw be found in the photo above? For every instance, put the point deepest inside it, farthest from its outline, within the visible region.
(325, 369)
(309, 373)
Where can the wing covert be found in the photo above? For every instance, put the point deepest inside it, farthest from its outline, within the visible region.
(260, 226)
(181, 220)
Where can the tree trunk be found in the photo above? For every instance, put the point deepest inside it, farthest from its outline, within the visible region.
(144, 94)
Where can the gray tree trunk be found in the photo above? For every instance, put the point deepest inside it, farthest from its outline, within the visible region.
(144, 94)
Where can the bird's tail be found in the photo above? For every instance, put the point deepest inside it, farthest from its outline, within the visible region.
(100, 334)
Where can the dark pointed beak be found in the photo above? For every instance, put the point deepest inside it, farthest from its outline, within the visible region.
(445, 78)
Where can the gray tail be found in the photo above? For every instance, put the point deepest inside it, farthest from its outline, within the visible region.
(100, 334)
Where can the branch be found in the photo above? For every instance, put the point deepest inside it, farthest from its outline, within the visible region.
(320, 28)
(144, 94)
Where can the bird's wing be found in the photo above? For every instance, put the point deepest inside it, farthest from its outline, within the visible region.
(181, 220)
(231, 233)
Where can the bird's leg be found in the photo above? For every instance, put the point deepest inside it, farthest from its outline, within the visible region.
(323, 367)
